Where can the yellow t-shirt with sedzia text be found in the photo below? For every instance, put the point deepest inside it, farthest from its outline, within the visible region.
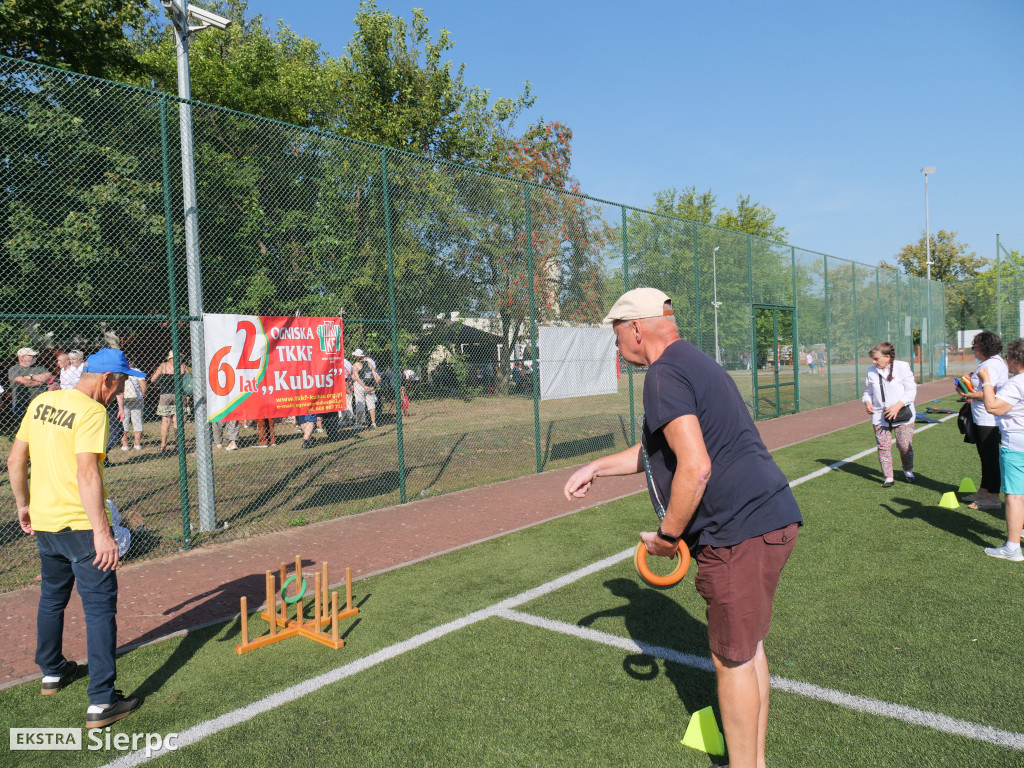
(57, 426)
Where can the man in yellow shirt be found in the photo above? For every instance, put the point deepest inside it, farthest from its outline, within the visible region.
(64, 433)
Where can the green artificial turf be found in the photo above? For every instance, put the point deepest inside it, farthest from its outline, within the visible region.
(887, 596)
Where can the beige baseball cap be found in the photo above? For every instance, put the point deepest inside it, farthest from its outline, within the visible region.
(639, 303)
(26, 351)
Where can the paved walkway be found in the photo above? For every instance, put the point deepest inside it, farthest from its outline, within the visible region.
(169, 595)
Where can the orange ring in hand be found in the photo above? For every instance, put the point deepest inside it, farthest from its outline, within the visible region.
(653, 579)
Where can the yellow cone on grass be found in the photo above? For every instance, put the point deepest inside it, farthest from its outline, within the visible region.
(949, 501)
(702, 733)
(967, 486)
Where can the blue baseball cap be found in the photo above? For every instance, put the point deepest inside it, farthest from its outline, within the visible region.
(111, 361)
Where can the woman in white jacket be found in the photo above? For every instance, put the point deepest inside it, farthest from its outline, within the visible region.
(888, 386)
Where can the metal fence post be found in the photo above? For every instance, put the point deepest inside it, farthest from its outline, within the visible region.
(796, 332)
(696, 282)
(194, 271)
(394, 324)
(172, 298)
(535, 377)
(856, 328)
(999, 293)
(828, 332)
(629, 367)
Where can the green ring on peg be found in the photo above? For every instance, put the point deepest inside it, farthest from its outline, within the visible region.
(298, 597)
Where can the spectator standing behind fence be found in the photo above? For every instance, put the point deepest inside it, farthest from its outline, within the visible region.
(134, 401)
(1007, 404)
(63, 506)
(265, 435)
(70, 365)
(810, 361)
(987, 346)
(165, 409)
(888, 386)
(365, 380)
(27, 380)
(222, 429)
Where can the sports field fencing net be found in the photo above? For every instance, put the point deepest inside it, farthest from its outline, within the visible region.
(443, 274)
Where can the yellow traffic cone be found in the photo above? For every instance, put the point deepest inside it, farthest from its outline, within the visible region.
(967, 486)
(702, 733)
(949, 501)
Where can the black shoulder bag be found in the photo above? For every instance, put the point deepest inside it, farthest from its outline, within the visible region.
(905, 416)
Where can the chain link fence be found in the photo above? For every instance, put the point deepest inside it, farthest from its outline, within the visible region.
(443, 274)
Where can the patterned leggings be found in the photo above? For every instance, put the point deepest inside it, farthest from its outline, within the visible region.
(904, 434)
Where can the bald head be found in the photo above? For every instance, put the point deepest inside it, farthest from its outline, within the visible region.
(642, 341)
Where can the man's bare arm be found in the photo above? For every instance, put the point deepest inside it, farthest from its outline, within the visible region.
(627, 462)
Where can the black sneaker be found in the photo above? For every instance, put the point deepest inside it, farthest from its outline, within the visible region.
(888, 483)
(119, 708)
(70, 672)
(307, 443)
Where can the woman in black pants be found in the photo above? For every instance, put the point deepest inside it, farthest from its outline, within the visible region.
(987, 347)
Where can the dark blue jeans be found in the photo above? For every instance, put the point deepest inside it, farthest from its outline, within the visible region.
(116, 427)
(66, 558)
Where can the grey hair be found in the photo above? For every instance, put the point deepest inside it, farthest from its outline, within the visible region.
(76, 354)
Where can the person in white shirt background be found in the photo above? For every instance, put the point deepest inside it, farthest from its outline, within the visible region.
(986, 346)
(1007, 404)
(888, 386)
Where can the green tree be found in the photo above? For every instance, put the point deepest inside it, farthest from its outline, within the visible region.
(562, 236)
(248, 68)
(96, 37)
(749, 218)
(951, 259)
(953, 262)
(402, 93)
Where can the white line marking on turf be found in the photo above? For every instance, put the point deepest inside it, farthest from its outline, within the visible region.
(855, 457)
(241, 715)
(858, 703)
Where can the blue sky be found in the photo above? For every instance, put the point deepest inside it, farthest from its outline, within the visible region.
(826, 112)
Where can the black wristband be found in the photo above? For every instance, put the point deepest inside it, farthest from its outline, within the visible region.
(670, 539)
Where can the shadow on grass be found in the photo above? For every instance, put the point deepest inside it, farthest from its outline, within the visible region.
(655, 619)
(447, 460)
(210, 606)
(369, 487)
(581, 446)
(951, 521)
(875, 474)
(282, 492)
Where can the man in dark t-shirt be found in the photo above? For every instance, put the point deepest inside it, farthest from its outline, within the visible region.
(718, 492)
(27, 380)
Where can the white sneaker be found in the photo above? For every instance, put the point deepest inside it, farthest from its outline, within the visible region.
(1005, 554)
(124, 447)
(231, 446)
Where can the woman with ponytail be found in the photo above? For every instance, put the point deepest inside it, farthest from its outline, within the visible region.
(888, 387)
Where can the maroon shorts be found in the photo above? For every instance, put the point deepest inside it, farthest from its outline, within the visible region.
(738, 583)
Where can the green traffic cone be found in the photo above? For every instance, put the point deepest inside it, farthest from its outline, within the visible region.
(967, 486)
(702, 733)
(949, 501)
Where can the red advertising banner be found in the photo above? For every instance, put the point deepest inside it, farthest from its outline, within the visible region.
(266, 367)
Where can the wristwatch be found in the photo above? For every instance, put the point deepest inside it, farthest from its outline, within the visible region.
(670, 539)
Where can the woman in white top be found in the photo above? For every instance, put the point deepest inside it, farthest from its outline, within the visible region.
(1007, 403)
(987, 347)
(888, 386)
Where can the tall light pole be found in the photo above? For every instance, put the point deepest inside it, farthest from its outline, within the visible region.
(928, 267)
(179, 13)
(716, 303)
